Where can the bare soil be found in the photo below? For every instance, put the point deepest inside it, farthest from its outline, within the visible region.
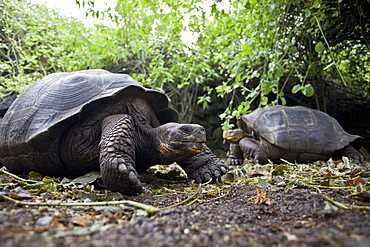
(227, 215)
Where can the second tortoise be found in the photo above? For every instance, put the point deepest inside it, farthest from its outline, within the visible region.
(296, 134)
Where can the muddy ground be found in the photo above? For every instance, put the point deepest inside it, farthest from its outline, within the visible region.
(232, 214)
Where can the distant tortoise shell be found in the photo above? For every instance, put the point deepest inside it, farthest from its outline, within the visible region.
(31, 128)
(298, 129)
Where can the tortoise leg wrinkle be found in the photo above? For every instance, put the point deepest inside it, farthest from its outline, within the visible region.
(204, 166)
(117, 155)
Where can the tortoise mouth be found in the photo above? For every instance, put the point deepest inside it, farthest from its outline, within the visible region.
(200, 141)
(195, 147)
(191, 146)
(187, 143)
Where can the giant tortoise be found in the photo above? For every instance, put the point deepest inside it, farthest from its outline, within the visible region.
(70, 123)
(296, 134)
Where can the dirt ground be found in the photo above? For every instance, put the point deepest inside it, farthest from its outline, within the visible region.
(232, 214)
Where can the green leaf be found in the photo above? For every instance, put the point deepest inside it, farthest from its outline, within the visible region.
(263, 183)
(307, 13)
(222, 115)
(279, 170)
(255, 74)
(88, 178)
(279, 72)
(319, 47)
(271, 7)
(293, 49)
(308, 90)
(87, 196)
(246, 48)
(283, 100)
(296, 88)
(317, 3)
(264, 100)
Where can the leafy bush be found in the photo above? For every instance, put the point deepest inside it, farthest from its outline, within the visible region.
(248, 48)
(250, 53)
(36, 41)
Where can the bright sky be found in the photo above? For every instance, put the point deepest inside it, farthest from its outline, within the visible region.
(70, 8)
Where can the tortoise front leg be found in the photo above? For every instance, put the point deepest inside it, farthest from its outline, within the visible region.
(117, 155)
(203, 166)
(251, 149)
(236, 155)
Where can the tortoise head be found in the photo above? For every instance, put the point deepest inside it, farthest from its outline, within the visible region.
(181, 141)
(234, 136)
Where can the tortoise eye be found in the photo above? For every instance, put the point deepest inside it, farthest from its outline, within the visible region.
(186, 129)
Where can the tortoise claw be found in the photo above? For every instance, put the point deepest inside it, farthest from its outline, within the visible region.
(207, 177)
(217, 173)
(204, 166)
(121, 177)
(234, 161)
(223, 169)
(207, 172)
(198, 180)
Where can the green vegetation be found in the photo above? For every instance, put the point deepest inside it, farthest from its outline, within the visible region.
(246, 52)
(36, 41)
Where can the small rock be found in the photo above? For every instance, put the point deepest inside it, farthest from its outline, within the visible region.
(44, 221)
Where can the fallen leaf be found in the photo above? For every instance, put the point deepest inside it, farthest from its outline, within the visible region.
(355, 172)
(365, 174)
(253, 173)
(279, 170)
(110, 196)
(17, 193)
(263, 183)
(356, 182)
(261, 198)
(88, 178)
(34, 176)
(326, 173)
(56, 225)
(83, 220)
(87, 196)
(75, 191)
(58, 195)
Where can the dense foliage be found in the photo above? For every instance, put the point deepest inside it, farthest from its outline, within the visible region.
(36, 41)
(245, 51)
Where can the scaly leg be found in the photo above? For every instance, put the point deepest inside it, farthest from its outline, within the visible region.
(117, 155)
